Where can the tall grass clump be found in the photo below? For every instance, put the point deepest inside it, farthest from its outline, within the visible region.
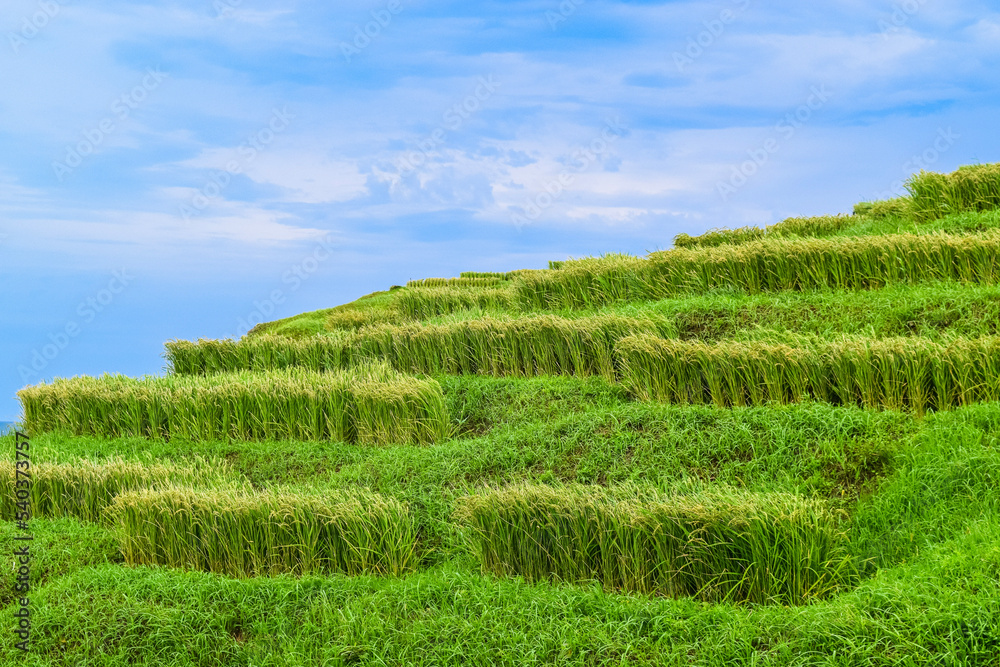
(245, 533)
(371, 404)
(897, 373)
(719, 546)
(84, 488)
(770, 265)
(969, 188)
(419, 303)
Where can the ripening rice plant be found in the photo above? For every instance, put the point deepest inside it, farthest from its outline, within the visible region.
(969, 188)
(465, 281)
(484, 274)
(419, 303)
(583, 283)
(351, 319)
(770, 265)
(504, 346)
(84, 488)
(519, 347)
(720, 546)
(817, 226)
(896, 373)
(790, 227)
(261, 353)
(242, 532)
(897, 207)
(717, 237)
(368, 404)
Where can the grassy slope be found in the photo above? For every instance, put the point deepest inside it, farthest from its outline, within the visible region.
(921, 492)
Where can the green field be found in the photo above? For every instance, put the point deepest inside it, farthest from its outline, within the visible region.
(772, 446)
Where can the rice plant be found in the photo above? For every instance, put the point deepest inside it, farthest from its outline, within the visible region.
(262, 353)
(898, 373)
(815, 226)
(969, 188)
(508, 275)
(789, 227)
(771, 265)
(520, 347)
(897, 207)
(421, 303)
(354, 319)
(717, 237)
(370, 404)
(726, 545)
(478, 280)
(84, 488)
(245, 533)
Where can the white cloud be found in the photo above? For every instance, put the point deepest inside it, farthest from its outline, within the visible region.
(236, 223)
(986, 33)
(309, 178)
(304, 177)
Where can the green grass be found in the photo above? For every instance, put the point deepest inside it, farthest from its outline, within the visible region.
(533, 436)
(940, 609)
(560, 430)
(919, 491)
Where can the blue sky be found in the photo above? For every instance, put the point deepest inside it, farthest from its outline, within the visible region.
(185, 169)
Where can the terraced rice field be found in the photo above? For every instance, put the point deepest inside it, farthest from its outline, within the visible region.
(764, 447)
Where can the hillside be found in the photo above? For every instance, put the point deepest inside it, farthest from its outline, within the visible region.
(762, 447)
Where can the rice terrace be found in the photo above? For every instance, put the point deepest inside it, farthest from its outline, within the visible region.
(765, 446)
